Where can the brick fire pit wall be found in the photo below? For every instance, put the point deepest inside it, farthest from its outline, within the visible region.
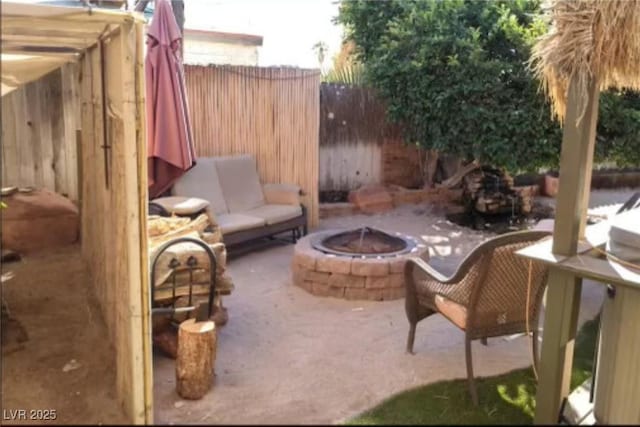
(353, 278)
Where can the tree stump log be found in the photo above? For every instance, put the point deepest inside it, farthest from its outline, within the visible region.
(196, 358)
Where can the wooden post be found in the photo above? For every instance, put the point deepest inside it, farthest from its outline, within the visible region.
(141, 141)
(563, 299)
(196, 358)
(129, 151)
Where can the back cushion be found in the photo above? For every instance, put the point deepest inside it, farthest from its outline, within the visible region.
(240, 182)
(202, 181)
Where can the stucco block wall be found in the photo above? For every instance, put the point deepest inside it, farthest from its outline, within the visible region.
(201, 52)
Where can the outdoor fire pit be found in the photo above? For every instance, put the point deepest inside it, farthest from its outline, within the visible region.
(364, 263)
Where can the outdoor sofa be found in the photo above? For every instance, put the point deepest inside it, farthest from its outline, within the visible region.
(244, 208)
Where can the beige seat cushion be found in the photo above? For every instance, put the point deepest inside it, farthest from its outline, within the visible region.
(281, 194)
(202, 182)
(230, 223)
(458, 314)
(182, 205)
(274, 214)
(453, 311)
(240, 182)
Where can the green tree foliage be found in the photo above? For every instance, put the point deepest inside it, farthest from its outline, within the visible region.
(619, 128)
(455, 73)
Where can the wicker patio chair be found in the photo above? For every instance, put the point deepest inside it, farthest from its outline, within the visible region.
(485, 297)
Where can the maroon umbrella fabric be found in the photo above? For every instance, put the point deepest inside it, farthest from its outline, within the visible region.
(169, 138)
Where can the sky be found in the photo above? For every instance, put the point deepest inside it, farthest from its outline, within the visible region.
(290, 28)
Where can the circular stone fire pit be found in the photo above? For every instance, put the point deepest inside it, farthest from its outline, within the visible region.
(360, 264)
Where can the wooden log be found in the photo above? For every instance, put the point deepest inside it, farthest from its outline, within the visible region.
(167, 341)
(198, 225)
(219, 314)
(224, 286)
(162, 320)
(158, 225)
(200, 275)
(196, 358)
(462, 173)
(182, 252)
(212, 217)
(214, 236)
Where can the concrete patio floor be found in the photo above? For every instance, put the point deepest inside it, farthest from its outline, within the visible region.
(286, 356)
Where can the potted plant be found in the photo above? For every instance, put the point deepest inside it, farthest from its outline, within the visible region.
(551, 183)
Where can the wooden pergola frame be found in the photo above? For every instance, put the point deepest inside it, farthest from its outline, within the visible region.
(570, 255)
(109, 46)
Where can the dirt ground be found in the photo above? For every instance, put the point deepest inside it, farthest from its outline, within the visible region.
(286, 356)
(49, 296)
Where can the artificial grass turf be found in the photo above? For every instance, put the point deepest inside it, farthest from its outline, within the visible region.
(504, 399)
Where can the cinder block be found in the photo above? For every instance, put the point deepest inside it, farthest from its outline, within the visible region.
(370, 267)
(334, 264)
(346, 280)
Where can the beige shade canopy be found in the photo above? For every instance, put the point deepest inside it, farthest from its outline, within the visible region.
(588, 38)
(37, 39)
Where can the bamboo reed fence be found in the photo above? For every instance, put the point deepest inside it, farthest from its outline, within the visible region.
(272, 113)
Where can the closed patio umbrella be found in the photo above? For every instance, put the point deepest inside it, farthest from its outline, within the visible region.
(169, 138)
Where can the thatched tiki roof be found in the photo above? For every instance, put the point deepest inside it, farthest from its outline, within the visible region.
(588, 39)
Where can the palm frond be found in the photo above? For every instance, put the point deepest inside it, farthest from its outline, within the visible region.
(349, 74)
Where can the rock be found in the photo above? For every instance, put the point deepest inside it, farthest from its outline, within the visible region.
(167, 342)
(454, 209)
(39, 220)
(9, 256)
(401, 195)
(220, 316)
(371, 199)
(71, 366)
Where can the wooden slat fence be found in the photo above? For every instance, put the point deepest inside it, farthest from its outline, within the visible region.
(272, 113)
(39, 123)
(358, 145)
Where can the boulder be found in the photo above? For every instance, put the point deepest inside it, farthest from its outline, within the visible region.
(371, 199)
(39, 220)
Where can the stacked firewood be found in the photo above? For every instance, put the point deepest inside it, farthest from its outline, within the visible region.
(164, 229)
(491, 191)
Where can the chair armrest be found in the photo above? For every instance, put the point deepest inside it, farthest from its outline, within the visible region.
(435, 275)
(414, 263)
(282, 194)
